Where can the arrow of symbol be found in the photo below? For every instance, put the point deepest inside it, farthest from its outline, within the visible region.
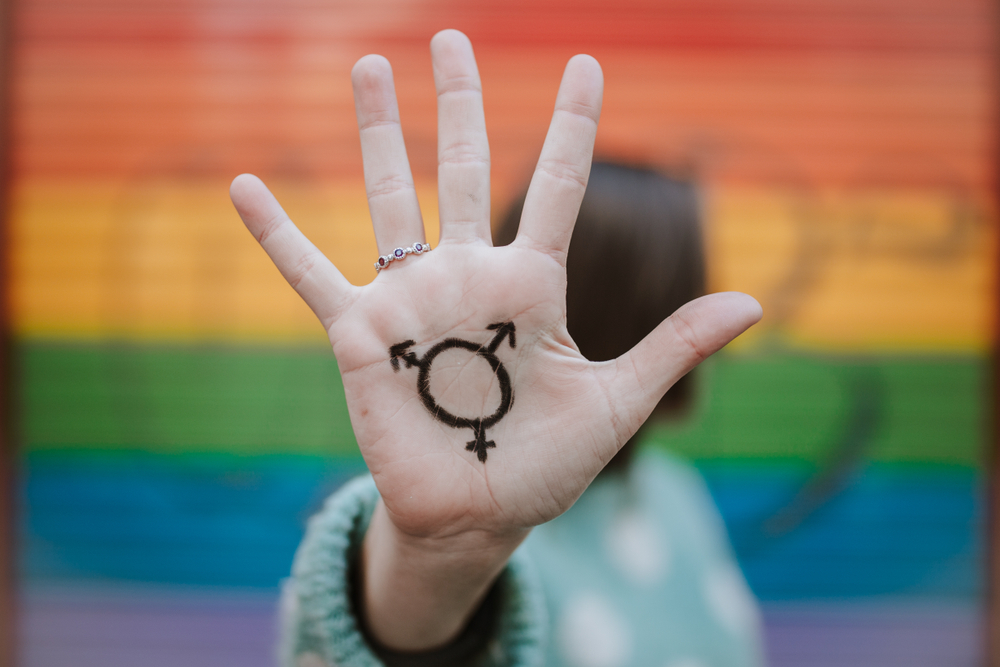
(503, 330)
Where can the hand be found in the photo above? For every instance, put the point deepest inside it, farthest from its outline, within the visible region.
(442, 503)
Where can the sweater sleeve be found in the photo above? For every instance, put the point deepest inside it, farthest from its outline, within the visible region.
(318, 624)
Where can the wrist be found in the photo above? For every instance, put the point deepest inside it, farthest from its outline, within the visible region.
(418, 592)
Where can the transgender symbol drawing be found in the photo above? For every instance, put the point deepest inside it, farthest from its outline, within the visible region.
(488, 353)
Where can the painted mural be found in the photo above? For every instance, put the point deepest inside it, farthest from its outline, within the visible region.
(181, 414)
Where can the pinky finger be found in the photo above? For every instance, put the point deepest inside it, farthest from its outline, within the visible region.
(306, 269)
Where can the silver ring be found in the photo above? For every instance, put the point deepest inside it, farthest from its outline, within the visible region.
(401, 253)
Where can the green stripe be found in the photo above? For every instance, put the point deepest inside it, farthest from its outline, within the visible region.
(808, 409)
(183, 399)
(175, 399)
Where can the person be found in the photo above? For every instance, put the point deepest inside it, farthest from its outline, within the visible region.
(479, 418)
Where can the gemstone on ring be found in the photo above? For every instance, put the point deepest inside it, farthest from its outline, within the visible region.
(401, 253)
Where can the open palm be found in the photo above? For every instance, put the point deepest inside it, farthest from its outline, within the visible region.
(509, 427)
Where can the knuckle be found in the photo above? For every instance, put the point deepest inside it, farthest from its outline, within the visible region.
(388, 185)
(276, 222)
(466, 153)
(688, 337)
(303, 267)
(579, 109)
(460, 84)
(564, 171)
(378, 120)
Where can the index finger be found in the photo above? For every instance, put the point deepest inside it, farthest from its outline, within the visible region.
(560, 178)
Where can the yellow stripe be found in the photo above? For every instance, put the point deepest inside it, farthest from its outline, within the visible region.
(859, 270)
(171, 260)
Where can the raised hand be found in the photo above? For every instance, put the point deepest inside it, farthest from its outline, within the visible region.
(472, 407)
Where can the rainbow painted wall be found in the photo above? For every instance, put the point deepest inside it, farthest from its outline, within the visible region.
(180, 410)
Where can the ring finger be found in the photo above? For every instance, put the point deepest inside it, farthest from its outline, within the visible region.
(392, 199)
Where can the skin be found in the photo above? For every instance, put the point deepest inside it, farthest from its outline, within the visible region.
(447, 523)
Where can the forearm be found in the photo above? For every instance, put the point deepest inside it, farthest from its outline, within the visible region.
(419, 593)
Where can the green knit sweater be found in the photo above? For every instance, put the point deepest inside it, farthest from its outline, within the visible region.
(638, 573)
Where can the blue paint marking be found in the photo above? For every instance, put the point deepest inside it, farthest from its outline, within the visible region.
(236, 521)
(214, 521)
(894, 529)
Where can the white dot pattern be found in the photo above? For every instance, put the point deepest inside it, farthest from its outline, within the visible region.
(638, 549)
(591, 633)
(729, 600)
(686, 662)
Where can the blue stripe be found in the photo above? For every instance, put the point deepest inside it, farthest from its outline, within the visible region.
(236, 521)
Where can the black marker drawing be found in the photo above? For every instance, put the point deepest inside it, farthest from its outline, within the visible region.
(488, 352)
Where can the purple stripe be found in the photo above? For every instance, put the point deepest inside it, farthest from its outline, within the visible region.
(119, 626)
(158, 627)
(866, 634)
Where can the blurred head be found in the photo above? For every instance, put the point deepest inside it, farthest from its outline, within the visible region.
(636, 256)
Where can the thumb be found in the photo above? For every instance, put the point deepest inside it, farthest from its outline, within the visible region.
(639, 378)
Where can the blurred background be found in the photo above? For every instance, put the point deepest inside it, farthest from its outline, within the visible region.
(179, 413)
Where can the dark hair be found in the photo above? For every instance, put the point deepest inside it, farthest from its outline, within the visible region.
(636, 256)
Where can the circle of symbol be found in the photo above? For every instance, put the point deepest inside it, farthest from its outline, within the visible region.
(424, 385)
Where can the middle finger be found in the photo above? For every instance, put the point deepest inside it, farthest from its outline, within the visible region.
(463, 150)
